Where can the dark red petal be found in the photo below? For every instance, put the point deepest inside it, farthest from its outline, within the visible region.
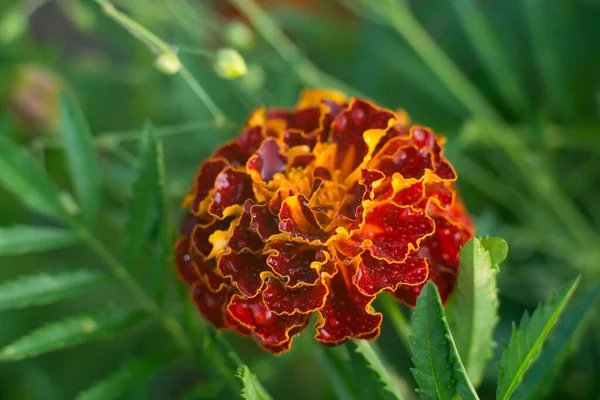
(267, 161)
(409, 162)
(186, 270)
(299, 138)
(442, 251)
(202, 233)
(297, 219)
(283, 299)
(232, 188)
(442, 192)
(293, 261)
(265, 223)
(204, 182)
(375, 275)
(244, 237)
(306, 120)
(245, 270)
(347, 132)
(346, 314)
(285, 346)
(241, 148)
(410, 195)
(394, 230)
(272, 329)
(210, 304)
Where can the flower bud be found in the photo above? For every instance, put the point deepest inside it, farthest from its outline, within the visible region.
(230, 64)
(12, 25)
(239, 35)
(168, 63)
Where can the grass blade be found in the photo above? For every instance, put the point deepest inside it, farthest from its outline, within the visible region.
(473, 308)
(438, 368)
(82, 158)
(561, 344)
(526, 342)
(26, 180)
(489, 49)
(126, 377)
(339, 373)
(252, 390)
(23, 239)
(68, 333)
(45, 288)
(144, 208)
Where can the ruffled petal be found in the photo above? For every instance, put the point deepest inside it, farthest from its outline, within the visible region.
(374, 275)
(296, 263)
(196, 200)
(232, 189)
(267, 161)
(347, 314)
(265, 223)
(392, 231)
(273, 330)
(245, 270)
(210, 304)
(238, 151)
(299, 221)
(442, 252)
(348, 129)
(244, 237)
(281, 298)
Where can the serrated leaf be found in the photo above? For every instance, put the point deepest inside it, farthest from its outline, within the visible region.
(473, 309)
(126, 377)
(82, 158)
(365, 349)
(69, 332)
(252, 390)
(144, 208)
(438, 368)
(46, 288)
(561, 344)
(23, 239)
(26, 180)
(526, 342)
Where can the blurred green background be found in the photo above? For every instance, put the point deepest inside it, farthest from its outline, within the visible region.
(521, 113)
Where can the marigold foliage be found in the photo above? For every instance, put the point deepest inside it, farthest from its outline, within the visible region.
(317, 210)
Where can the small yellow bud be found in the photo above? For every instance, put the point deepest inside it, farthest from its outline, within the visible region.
(230, 64)
(239, 35)
(168, 63)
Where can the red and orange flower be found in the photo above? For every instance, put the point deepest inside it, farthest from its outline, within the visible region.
(317, 210)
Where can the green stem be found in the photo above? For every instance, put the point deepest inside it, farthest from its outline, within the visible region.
(399, 322)
(159, 46)
(119, 271)
(306, 70)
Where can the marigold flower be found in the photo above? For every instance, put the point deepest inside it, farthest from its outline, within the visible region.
(317, 210)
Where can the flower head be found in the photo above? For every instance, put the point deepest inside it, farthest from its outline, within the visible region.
(317, 210)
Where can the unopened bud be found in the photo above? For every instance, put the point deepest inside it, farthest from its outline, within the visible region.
(230, 64)
(239, 35)
(12, 25)
(168, 63)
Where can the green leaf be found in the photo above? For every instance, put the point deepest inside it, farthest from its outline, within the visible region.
(45, 288)
(438, 368)
(204, 390)
(561, 344)
(126, 377)
(526, 342)
(69, 332)
(252, 390)
(81, 156)
(473, 309)
(27, 181)
(23, 239)
(144, 208)
(364, 348)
